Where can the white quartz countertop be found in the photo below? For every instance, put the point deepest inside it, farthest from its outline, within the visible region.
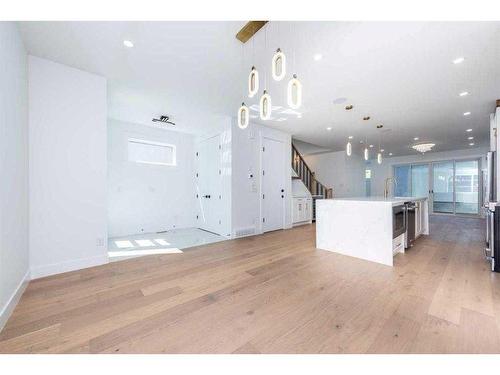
(391, 200)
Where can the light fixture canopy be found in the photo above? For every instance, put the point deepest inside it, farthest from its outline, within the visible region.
(278, 65)
(348, 149)
(265, 106)
(253, 82)
(243, 116)
(423, 147)
(294, 97)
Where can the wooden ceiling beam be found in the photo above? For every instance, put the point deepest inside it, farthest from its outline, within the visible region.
(249, 30)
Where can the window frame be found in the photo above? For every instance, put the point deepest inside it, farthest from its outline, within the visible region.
(153, 143)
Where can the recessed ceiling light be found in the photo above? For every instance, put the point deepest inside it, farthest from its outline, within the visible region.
(371, 146)
(329, 128)
(299, 115)
(466, 113)
(464, 93)
(128, 43)
(382, 150)
(458, 60)
(470, 138)
(390, 153)
(468, 130)
(317, 56)
(471, 144)
(416, 139)
(351, 137)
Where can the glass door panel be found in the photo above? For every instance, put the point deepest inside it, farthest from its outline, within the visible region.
(402, 176)
(442, 186)
(467, 187)
(420, 180)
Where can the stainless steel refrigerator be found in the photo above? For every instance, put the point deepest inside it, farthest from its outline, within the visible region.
(492, 210)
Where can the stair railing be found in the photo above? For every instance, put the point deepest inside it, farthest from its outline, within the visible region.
(307, 176)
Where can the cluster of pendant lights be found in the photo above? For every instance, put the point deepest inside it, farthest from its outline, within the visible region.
(366, 152)
(278, 69)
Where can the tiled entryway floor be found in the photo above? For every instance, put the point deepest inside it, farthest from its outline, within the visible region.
(172, 241)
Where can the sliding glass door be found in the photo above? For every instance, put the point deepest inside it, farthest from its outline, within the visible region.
(443, 187)
(452, 186)
(420, 180)
(467, 187)
(412, 180)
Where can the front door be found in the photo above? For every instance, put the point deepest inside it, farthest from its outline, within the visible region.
(273, 185)
(209, 184)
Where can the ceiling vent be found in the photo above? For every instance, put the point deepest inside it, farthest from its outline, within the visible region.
(164, 119)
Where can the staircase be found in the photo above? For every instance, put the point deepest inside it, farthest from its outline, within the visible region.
(307, 176)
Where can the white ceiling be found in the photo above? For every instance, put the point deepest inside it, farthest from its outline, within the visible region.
(399, 74)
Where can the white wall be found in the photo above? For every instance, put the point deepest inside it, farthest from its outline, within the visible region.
(246, 154)
(144, 198)
(385, 170)
(67, 156)
(14, 254)
(346, 175)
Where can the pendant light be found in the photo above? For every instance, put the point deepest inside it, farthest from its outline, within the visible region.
(294, 97)
(379, 155)
(253, 82)
(348, 148)
(278, 65)
(265, 106)
(243, 116)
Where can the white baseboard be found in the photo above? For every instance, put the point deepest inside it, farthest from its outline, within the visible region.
(7, 310)
(72, 265)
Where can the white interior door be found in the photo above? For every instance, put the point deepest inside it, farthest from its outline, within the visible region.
(209, 184)
(273, 185)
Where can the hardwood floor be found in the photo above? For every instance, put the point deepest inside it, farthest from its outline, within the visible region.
(274, 293)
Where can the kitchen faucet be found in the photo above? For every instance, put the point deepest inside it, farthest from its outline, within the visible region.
(386, 188)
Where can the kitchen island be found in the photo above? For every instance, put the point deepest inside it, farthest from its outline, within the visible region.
(364, 227)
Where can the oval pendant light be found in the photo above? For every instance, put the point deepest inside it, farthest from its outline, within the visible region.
(348, 149)
(279, 65)
(294, 97)
(366, 153)
(253, 82)
(379, 158)
(243, 116)
(265, 106)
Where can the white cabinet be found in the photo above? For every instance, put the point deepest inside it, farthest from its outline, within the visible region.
(420, 222)
(302, 210)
